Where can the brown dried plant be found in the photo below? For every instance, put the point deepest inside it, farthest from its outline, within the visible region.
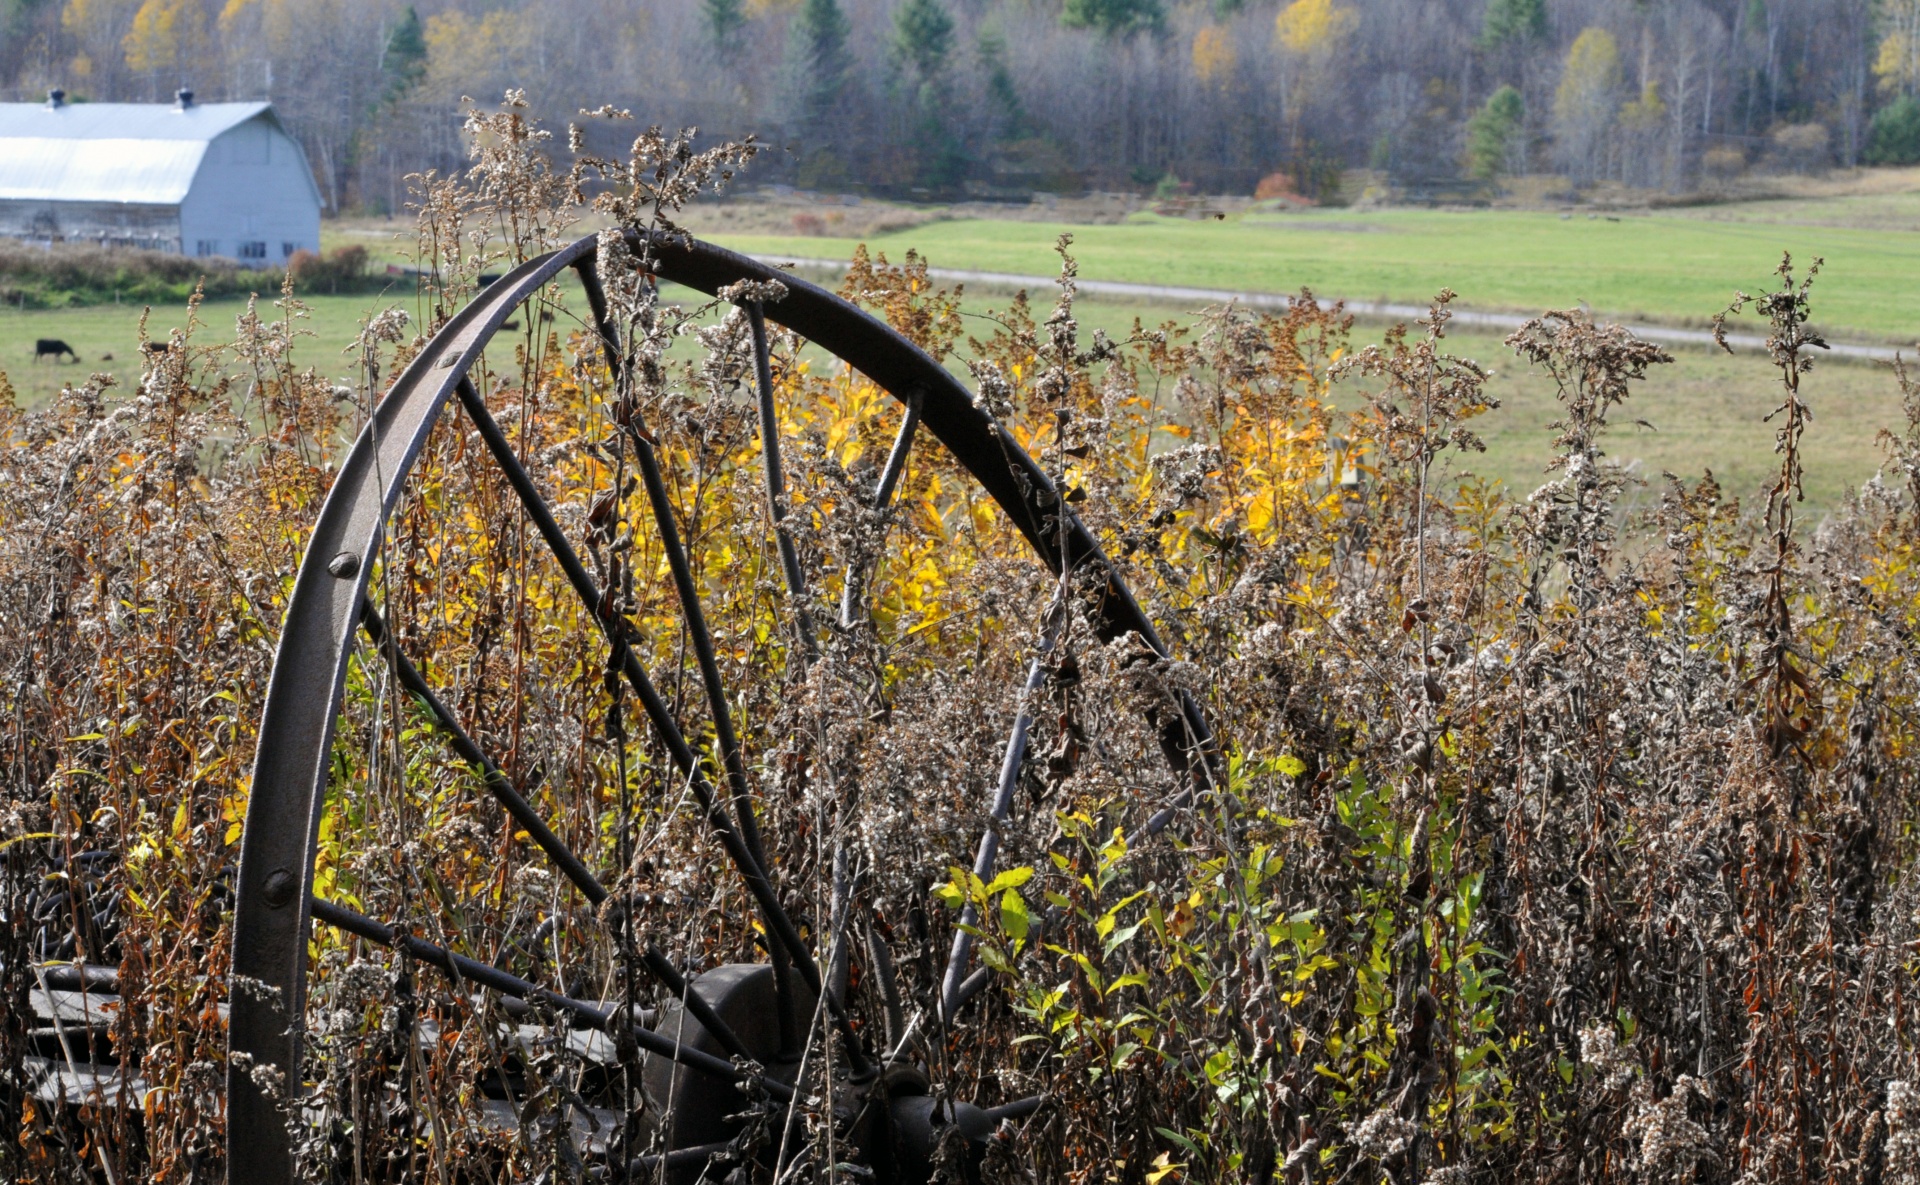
(1545, 844)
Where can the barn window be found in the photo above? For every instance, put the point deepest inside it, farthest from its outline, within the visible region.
(253, 249)
(207, 247)
(287, 250)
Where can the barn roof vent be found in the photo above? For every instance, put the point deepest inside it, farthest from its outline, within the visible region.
(56, 98)
(183, 98)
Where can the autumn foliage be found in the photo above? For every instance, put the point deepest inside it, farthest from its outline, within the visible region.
(1545, 844)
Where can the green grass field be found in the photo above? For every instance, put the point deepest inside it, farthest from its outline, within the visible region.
(107, 338)
(1706, 408)
(1674, 267)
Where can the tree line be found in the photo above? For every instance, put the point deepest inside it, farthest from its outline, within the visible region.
(1002, 98)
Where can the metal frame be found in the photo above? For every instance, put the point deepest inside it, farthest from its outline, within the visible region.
(273, 910)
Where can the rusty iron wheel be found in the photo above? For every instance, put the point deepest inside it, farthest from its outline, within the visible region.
(731, 1026)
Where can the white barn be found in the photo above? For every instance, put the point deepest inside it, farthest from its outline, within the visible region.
(189, 178)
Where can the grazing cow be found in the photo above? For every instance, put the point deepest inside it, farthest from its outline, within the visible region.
(509, 326)
(52, 347)
(106, 357)
(156, 347)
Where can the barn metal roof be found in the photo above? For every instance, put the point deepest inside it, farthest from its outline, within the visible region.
(140, 153)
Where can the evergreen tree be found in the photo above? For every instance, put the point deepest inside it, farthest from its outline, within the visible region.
(922, 38)
(724, 19)
(1513, 20)
(404, 63)
(1895, 136)
(922, 44)
(14, 15)
(1003, 98)
(820, 52)
(1115, 18)
(1494, 133)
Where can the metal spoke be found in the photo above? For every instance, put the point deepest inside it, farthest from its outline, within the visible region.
(522, 812)
(882, 959)
(897, 455)
(694, 616)
(658, 714)
(969, 987)
(777, 479)
(681, 1158)
(730, 837)
(691, 611)
(651, 702)
(989, 848)
(497, 782)
(1199, 774)
(850, 590)
(487, 975)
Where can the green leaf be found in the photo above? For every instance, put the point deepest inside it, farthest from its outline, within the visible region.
(1014, 918)
(1119, 938)
(1094, 978)
(1291, 766)
(1476, 1056)
(1012, 878)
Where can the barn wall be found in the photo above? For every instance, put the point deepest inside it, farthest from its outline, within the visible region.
(113, 224)
(253, 187)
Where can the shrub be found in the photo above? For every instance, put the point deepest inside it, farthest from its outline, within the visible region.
(1800, 147)
(1894, 138)
(1495, 136)
(1275, 185)
(1723, 163)
(341, 268)
(1539, 842)
(70, 275)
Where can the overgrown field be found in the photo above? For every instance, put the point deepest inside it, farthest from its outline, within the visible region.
(1699, 413)
(1533, 841)
(71, 276)
(107, 337)
(1665, 266)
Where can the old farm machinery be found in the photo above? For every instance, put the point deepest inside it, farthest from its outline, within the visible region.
(706, 1083)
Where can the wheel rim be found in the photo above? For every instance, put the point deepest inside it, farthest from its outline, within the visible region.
(274, 909)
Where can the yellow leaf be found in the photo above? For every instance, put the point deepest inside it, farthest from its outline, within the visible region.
(1214, 56)
(1309, 25)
